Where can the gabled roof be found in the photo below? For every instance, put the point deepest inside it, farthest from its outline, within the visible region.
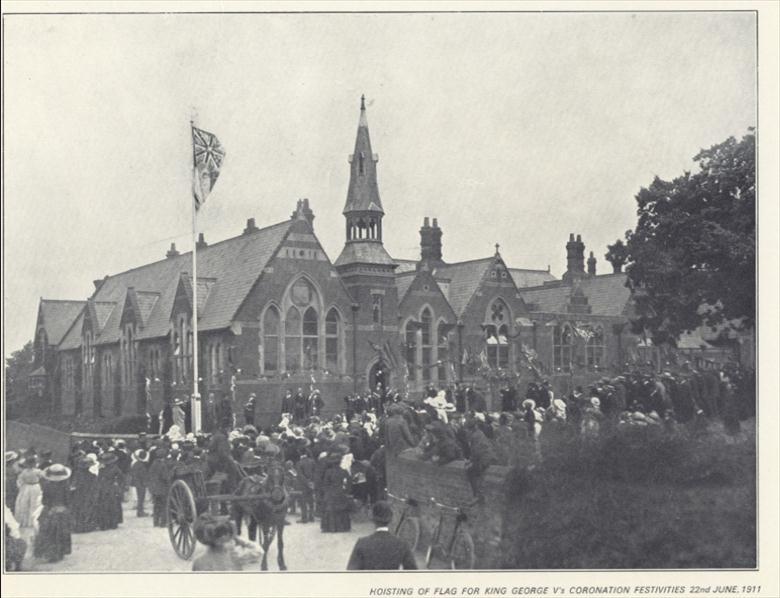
(72, 338)
(233, 265)
(403, 282)
(530, 278)
(607, 295)
(58, 316)
(465, 278)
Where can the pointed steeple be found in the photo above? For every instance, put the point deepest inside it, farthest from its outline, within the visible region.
(363, 192)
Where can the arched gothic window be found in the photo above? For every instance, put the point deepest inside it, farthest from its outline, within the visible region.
(426, 337)
(410, 334)
(292, 339)
(594, 348)
(562, 347)
(443, 352)
(271, 340)
(332, 341)
(310, 338)
(497, 335)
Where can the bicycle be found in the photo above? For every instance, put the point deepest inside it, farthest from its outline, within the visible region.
(458, 552)
(408, 526)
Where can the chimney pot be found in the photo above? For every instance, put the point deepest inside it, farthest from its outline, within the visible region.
(571, 236)
(250, 226)
(172, 252)
(579, 238)
(435, 223)
(426, 222)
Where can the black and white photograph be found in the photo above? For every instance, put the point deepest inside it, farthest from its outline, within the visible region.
(523, 353)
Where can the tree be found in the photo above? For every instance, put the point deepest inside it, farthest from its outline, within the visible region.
(17, 367)
(692, 256)
(617, 255)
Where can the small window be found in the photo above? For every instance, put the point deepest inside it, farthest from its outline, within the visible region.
(493, 274)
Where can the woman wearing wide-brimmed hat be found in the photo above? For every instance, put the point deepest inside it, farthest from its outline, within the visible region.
(53, 541)
(111, 489)
(28, 499)
(84, 499)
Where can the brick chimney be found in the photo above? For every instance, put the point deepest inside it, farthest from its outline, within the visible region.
(430, 242)
(303, 212)
(591, 265)
(201, 242)
(575, 259)
(250, 226)
(172, 252)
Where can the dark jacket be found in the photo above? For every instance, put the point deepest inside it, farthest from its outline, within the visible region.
(139, 474)
(397, 435)
(381, 551)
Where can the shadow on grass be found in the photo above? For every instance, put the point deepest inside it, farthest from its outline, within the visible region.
(635, 498)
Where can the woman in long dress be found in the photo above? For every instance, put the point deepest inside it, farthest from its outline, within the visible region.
(53, 541)
(84, 501)
(110, 490)
(336, 493)
(28, 498)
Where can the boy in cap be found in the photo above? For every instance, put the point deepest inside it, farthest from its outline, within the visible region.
(381, 550)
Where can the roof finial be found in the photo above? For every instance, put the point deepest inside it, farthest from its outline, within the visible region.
(363, 102)
(497, 246)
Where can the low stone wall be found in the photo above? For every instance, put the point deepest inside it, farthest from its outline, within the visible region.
(19, 436)
(410, 476)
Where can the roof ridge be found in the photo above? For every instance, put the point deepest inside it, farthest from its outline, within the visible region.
(529, 270)
(471, 261)
(209, 246)
(63, 300)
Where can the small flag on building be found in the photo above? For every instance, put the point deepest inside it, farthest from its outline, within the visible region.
(207, 156)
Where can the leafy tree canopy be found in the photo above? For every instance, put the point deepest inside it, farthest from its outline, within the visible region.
(692, 256)
(17, 367)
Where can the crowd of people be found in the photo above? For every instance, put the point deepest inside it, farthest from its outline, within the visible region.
(335, 466)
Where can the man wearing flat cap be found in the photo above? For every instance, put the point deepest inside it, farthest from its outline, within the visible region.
(381, 550)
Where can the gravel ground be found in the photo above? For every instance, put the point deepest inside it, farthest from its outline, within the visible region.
(138, 547)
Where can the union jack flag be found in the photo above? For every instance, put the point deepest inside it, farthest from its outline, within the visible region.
(207, 156)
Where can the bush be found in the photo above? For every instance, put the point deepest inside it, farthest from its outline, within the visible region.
(637, 498)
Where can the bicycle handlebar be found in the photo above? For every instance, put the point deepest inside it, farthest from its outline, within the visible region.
(439, 505)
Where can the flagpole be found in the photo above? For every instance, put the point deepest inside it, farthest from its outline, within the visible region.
(195, 402)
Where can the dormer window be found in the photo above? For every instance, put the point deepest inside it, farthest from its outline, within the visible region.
(361, 163)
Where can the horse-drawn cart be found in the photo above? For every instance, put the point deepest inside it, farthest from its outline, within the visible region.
(190, 494)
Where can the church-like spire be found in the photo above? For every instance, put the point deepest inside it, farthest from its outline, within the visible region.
(363, 192)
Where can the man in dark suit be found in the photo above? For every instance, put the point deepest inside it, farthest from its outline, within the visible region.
(398, 437)
(381, 550)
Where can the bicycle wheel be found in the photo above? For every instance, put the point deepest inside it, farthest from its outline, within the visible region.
(409, 532)
(462, 555)
(433, 552)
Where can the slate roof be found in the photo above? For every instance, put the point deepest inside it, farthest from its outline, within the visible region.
(368, 252)
(363, 191)
(405, 266)
(402, 282)
(226, 272)
(530, 278)
(58, 316)
(607, 295)
(72, 338)
(465, 278)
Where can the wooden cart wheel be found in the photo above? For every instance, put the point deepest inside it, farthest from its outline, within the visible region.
(462, 555)
(181, 519)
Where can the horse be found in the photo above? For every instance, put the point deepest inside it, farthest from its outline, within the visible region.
(268, 512)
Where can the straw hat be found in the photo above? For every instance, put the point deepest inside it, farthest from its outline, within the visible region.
(11, 456)
(141, 455)
(56, 473)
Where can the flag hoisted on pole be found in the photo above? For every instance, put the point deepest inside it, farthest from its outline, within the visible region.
(207, 157)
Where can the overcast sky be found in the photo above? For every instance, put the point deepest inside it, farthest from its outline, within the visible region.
(515, 129)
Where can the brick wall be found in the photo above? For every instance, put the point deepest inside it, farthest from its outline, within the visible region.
(409, 476)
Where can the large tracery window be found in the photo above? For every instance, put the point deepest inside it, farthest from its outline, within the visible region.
(497, 336)
(332, 336)
(292, 339)
(410, 333)
(594, 348)
(444, 353)
(310, 339)
(426, 343)
(562, 347)
(271, 340)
